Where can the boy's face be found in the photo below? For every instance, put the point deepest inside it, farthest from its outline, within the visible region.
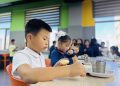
(64, 46)
(13, 42)
(39, 42)
(102, 44)
(87, 43)
(54, 44)
(79, 42)
(112, 51)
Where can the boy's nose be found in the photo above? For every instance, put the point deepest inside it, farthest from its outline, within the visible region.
(67, 49)
(46, 44)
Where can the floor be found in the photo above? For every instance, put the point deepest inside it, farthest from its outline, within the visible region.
(4, 80)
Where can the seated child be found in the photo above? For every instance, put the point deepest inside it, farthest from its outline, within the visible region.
(72, 53)
(63, 51)
(29, 63)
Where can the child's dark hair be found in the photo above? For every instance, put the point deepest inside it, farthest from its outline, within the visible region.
(35, 25)
(54, 42)
(93, 41)
(86, 40)
(12, 40)
(65, 38)
(115, 49)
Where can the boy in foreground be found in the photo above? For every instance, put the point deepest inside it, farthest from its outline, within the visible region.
(29, 63)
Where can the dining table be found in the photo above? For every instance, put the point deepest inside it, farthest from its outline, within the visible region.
(88, 80)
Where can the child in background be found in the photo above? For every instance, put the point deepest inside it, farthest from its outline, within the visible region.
(103, 50)
(114, 52)
(63, 51)
(72, 52)
(81, 47)
(52, 48)
(29, 63)
(87, 48)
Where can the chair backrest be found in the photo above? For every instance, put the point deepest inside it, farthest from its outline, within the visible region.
(14, 81)
(48, 62)
(5, 54)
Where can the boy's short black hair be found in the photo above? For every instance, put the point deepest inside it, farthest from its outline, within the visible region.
(65, 38)
(114, 48)
(33, 26)
(54, 42)
(102, 42)
(12, 40)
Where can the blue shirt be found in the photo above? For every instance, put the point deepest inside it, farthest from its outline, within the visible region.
(81, 50)
(56, 55)
(51, 49)
(95, 49)
(88, 51)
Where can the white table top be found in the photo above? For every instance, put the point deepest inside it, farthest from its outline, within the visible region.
(87, 81)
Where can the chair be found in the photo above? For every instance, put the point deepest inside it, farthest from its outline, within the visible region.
(5, 59)
(48, 62)
(14, 81)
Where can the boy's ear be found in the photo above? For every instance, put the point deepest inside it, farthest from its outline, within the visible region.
(59, 43)
(29, 36)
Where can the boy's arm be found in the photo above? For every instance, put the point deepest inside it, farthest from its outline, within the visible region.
(75, 59)
(70, 60)
(54, 58)
(33, 75)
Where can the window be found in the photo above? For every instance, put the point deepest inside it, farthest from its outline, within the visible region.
(50, 15)
(108, 30)
(105, 8)
(53, 35)
(7, 39)
(4, 38)
(5, 19)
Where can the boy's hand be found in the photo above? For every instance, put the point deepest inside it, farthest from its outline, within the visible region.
(62, 62)
(70, 51)
(75, 59)
(77, 69)
(76, 49)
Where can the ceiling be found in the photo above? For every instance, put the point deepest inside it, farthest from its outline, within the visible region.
(6, 3)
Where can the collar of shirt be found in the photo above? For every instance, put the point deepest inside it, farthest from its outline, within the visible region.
(60, 51)
(33, 53)
(63, 54)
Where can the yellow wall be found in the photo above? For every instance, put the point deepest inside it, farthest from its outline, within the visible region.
(87, 14)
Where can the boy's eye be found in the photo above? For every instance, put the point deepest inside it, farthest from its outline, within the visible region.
(44, 38)
(67, 45)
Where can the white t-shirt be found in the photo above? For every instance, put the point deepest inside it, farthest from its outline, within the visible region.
(11, 48)
(104, 51)
(27, 56)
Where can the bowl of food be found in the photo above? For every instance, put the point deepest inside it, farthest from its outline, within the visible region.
(64, 62)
